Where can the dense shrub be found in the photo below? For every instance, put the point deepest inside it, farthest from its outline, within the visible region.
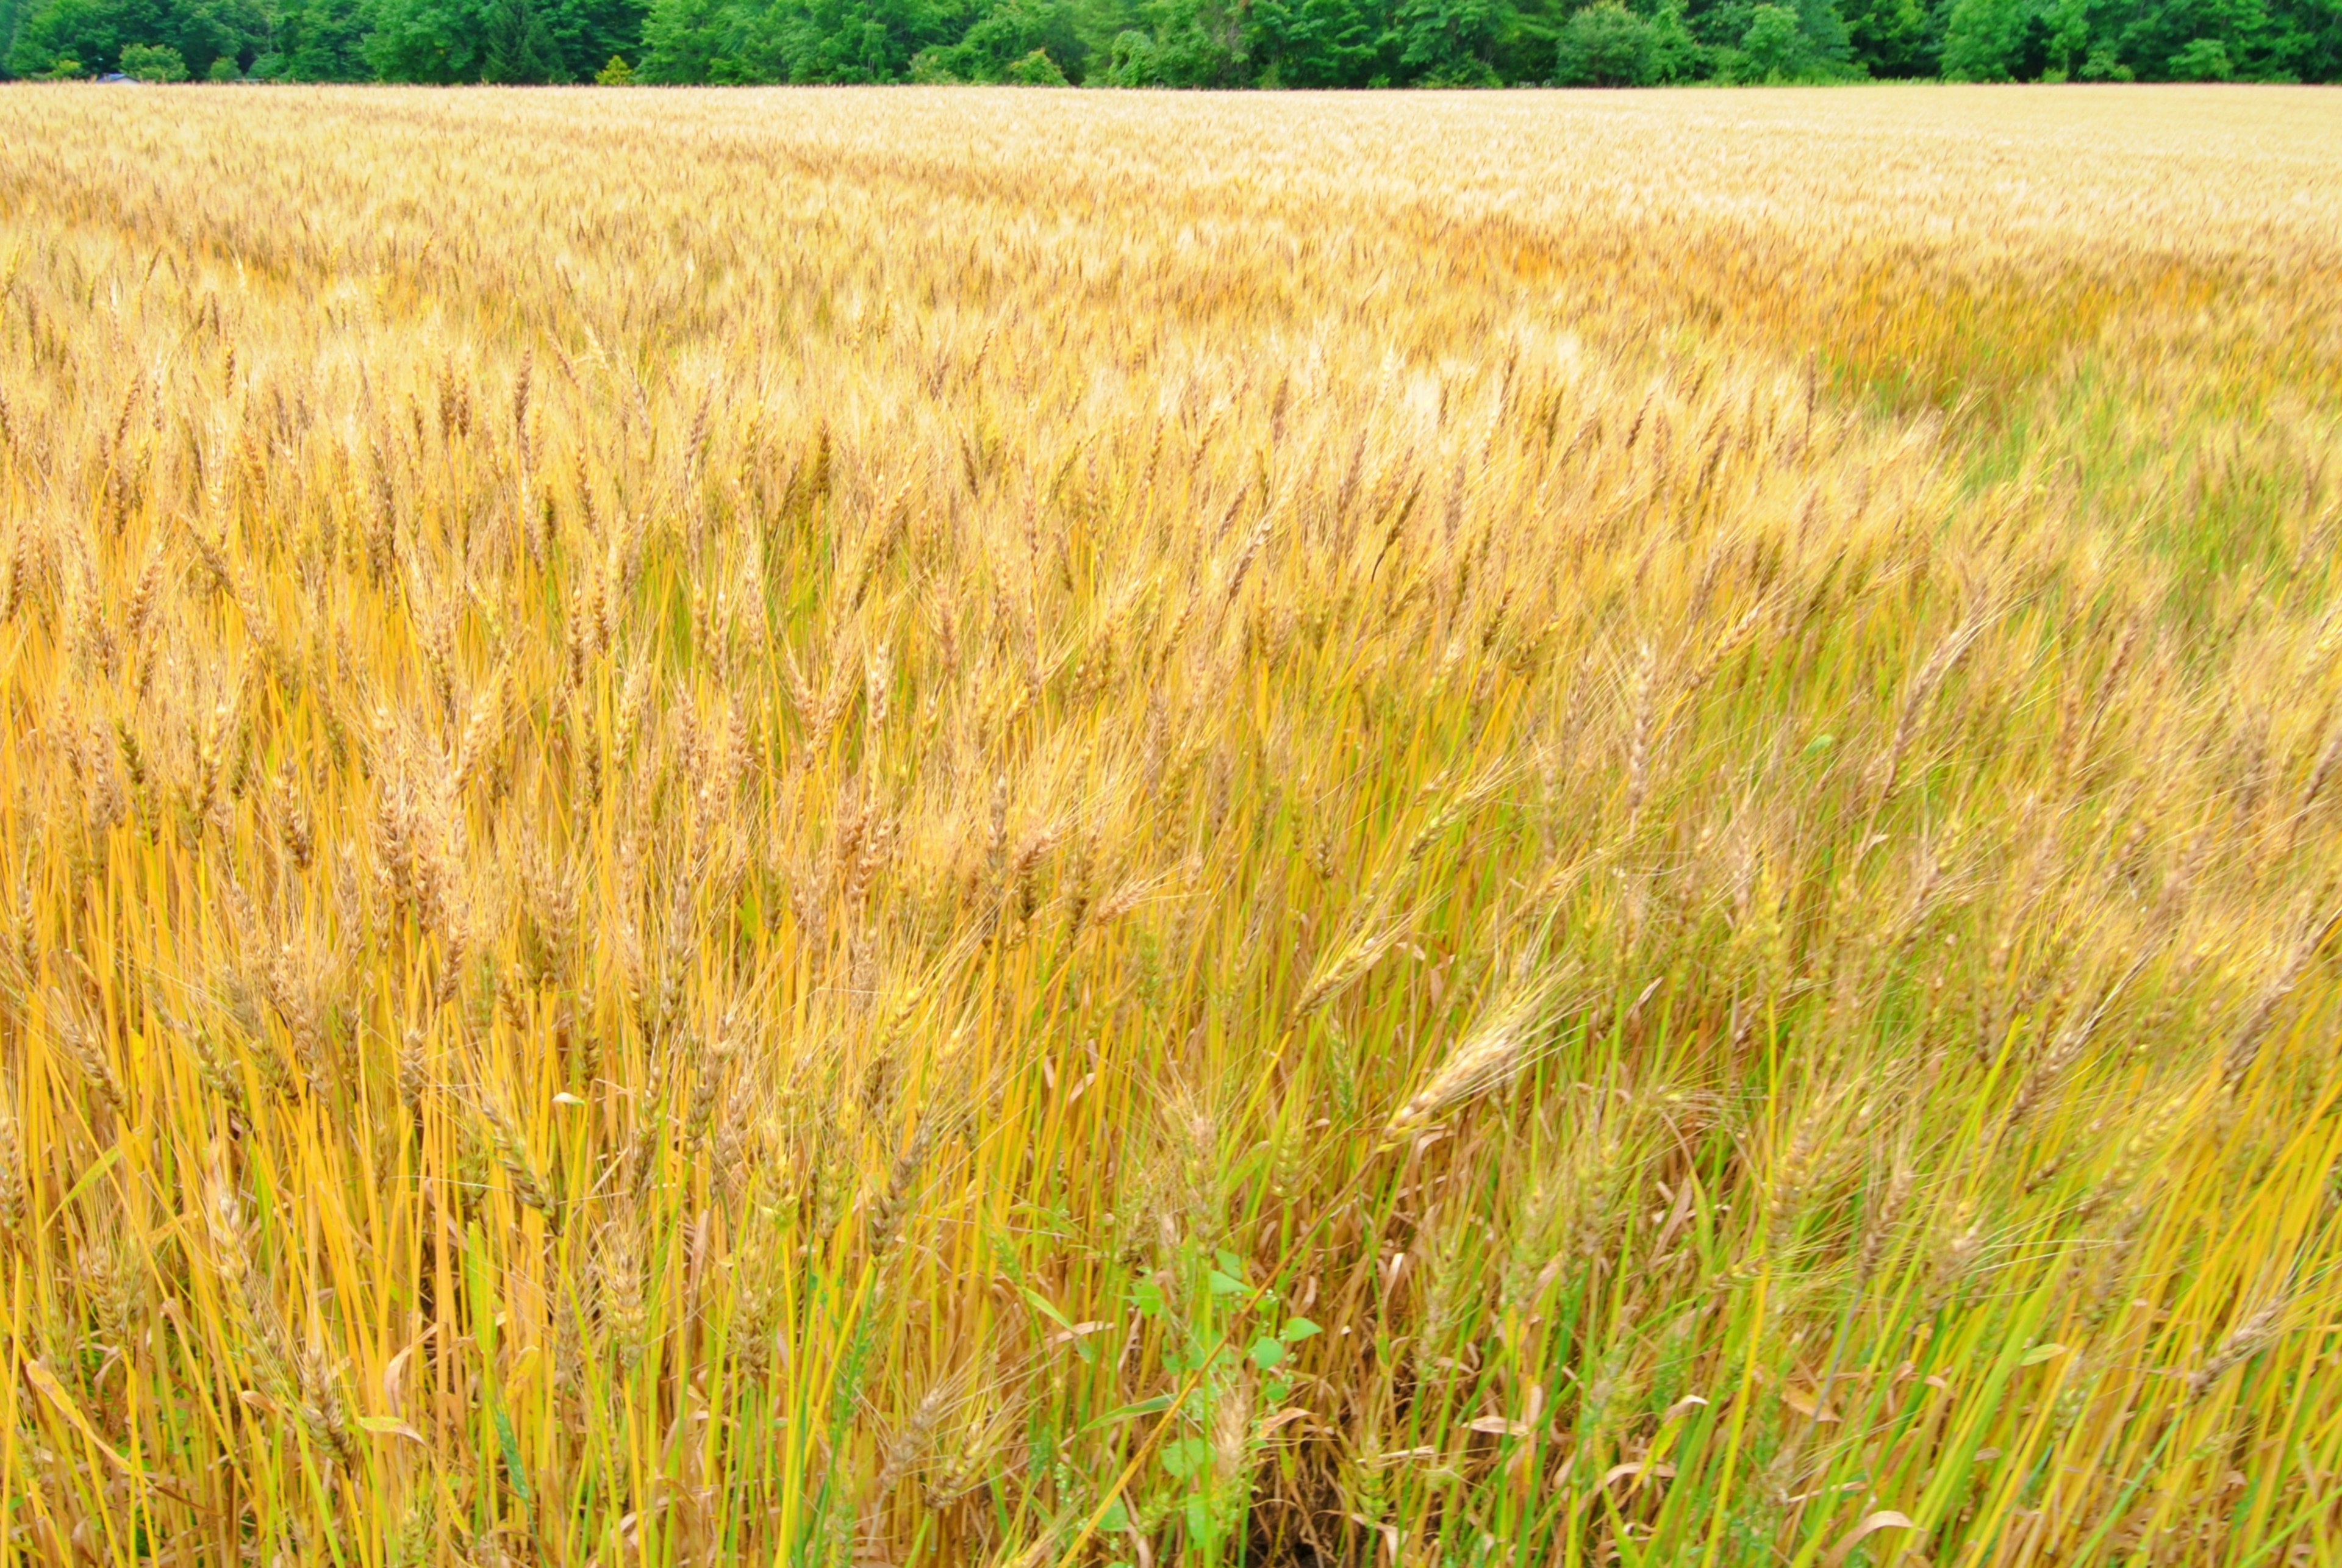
(154, 62)
(1605, 46)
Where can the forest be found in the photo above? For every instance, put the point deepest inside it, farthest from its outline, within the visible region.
(1222, 43)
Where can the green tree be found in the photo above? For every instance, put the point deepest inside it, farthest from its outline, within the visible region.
(2202, 60)
(84, 35)
(1894, 39)
(2062, 37)
(1983, 40)
(1128, 61)
(1317, 43)
(1828, 54)
(2164, 39)
(449, 41)
(205, 32)
(684, 39)
(153, 63)
(39, 37)
(91, 35)
(1035, 70)
(1036, 43)
(1773, 49)
(844, 41)
(1449, 43)
(1675, 56)
(427, 40)
(1806, 41)
(2305, 39)
(318, 40)
(1199, 44)
(519, 45)
(585, 34)
(1605, 46)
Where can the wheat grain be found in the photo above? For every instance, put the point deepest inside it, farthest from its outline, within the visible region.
(671, 749)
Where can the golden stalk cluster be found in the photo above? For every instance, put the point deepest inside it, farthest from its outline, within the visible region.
(951, 826)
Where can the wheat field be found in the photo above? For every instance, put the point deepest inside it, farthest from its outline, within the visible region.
(852, 828)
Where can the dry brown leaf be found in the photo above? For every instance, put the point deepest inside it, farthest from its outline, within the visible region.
(1885, 1519)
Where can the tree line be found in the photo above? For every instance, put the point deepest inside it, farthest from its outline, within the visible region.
(1308, 43)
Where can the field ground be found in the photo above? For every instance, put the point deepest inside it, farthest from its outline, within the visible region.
(949, 826)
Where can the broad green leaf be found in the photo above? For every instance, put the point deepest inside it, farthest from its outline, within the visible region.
(1187, 1456)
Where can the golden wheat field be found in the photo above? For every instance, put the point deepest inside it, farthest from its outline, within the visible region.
(935, 827)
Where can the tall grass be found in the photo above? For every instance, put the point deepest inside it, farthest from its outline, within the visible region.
(938, 828)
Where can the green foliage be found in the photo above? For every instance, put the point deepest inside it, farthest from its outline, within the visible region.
(684, 40)
(2103, 66)
(1186, 44)
(744, 41)
(1675, 56)
(586, 34)
(61, 38)
(447, 41)
(154, 62)
(2204, 40)
(1773, 48)
(2065, 35)
(1318, 43)
(50, 43)
(617, 74)
(1231, 1344)
(1606, 45)
(1806, 42)
(1303, 43)
(496, 41)
(2175, 40)
(2306, 39)
(318, 40)
(1128, 61)
(1788, 40)
(2202, 60)
(1895, 39)
(1449, 43)
(1035, 70)
(1985, 39)
(1027, 43)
